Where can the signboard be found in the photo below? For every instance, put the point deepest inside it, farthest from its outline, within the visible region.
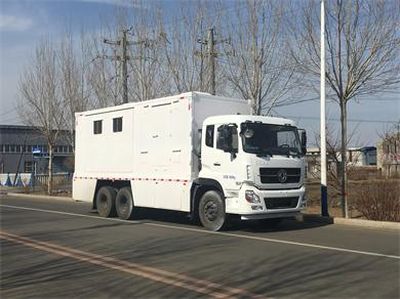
(36, 151)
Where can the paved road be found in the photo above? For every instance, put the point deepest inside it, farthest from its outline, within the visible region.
(62, 249)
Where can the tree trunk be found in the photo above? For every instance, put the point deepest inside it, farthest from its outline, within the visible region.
(256, 107)
(343, 169)
(50, 170)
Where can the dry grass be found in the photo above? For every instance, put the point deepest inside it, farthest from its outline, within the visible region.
(371, 196)
(378, 200)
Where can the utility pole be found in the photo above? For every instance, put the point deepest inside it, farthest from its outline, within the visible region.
(123, 42)
(211, 58)
(202, 56)
(211, 55)
(324, 188)
(201, 68)
(124, 67)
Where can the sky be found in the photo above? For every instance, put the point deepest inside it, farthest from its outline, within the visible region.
(24, 22)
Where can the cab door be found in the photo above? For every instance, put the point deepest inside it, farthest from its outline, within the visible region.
(219, 155)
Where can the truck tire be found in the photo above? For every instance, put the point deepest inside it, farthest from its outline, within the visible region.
(212, 210)
(105, 201)
(124, 203)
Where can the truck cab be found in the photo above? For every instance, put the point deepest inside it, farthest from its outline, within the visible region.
(257, 162)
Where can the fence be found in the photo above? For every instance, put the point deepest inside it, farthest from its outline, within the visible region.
(29, 179)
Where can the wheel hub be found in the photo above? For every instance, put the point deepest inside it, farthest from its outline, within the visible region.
(124, 205)
(103, 202)
(211, 211)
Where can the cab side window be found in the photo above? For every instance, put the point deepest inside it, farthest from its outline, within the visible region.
(210, 135)
(227, 138)
(235, 144)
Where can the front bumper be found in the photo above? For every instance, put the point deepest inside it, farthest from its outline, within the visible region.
(264, 208)
(271, 215)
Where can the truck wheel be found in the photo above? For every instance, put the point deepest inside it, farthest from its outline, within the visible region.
(212, 210)
(124, 203)
(105, 201)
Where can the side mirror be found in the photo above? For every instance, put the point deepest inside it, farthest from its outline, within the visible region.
(303, 141)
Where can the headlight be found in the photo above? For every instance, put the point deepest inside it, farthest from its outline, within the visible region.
(251, 197)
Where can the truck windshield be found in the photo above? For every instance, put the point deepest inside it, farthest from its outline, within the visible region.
(266, 139)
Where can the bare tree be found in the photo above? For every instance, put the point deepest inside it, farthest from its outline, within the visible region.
(333, 143)
(103, 76)
(73, 84)
(40, 104)
(363, 47)
(184, 51)
(256, 62)
(147, 76)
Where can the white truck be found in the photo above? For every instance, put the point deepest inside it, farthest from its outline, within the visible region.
(193, 152)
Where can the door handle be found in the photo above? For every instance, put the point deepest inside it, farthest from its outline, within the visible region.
(217, 164)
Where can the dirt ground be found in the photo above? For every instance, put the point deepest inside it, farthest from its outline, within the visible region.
(332, 211)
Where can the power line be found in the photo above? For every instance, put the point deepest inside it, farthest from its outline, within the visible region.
(331, 97)
(236, 8)
(349, 120)
(286, 103)
(389, 43)
(8, 111)
(216, 12)
(6, 120)
(380, 100)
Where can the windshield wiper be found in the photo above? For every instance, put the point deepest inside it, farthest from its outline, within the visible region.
(264, 153)
(292, 153)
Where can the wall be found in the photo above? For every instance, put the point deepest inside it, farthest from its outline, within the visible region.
(388, 155)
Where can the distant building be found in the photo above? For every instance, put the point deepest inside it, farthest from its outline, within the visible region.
(313, 160)
(356, 156)
(361, 156)
(24, 150)
(389, 155)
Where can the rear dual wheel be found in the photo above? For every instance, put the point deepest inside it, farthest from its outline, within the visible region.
(105, 201)
(110, 202)
(124, 203)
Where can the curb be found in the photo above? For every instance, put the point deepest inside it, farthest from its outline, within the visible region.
(39, 196)
(368, 223)
(354, 222)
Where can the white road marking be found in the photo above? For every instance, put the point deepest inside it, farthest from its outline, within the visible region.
(70, 214)
(263, 239)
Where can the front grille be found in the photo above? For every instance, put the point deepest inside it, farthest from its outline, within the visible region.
(281, 202)
(274, 175)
